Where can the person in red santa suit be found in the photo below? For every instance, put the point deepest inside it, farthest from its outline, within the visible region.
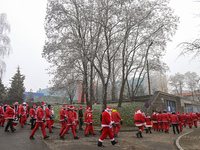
(27, 112)
(1, 112)
(39, 123)
(10, 115)
(189, 120)
(181, 122)
(174, 121)
(85, 117)
(33, 115)
(89, 123)
(139, 122)
(155, 121)
(165, 121)
(47, 118)
(160, 123)
(184, 119)
(2, 115)
(107, 127)
(116, 118)
(198, 114)
(70, 124)
(148, 124)
(63, 118)
(194, 118)
(76, 118)
(23, 114)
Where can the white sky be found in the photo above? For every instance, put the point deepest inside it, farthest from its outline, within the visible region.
(26, 18)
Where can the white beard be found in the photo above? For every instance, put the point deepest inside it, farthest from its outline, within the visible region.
(24, 108)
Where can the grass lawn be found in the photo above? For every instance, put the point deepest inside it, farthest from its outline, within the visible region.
(127, 112)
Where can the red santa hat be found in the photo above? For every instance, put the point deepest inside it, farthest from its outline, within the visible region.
(24, 103)
(71, 107)
(43, 103)
(34, 106)
(81, 107)
(16, 103)
(137, 111)
(87, 107)
(108, 108)
(114, 108)
(63, 106)
(90, 110)
(38, 107)
(68, 106)
(75, 108)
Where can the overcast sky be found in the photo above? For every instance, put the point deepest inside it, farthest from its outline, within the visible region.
(26, 18)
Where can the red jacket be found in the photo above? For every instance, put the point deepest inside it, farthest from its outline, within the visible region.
(33, 113)
(174, 119)
(23, 111)
(1, 111)
(10, 113)
(115, 117)
(155, 118)
(194, 117)
(70, 120)
(62, 115)
(75, 115)
(90, 118)
(139, 119)
(189, 119)
(40, 115)
(16, 111)
(47, 114)
(159, 118)
(86, 116)
(165, 117)
(148, 121)
(198, 115)
(106, 119)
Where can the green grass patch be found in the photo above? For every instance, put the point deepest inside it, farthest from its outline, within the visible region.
(127, 112)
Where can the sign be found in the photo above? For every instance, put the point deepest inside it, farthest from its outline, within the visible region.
(146, 105)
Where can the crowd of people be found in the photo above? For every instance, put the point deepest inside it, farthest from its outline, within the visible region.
(70, 116)
(162, 121)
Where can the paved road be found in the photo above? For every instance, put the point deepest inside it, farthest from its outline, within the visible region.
(19, 140)
(127, 140)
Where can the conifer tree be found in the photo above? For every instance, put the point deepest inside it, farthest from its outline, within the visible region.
(2, 92)
(17, 89)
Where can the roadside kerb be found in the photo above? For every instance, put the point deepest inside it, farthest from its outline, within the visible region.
(178, 139)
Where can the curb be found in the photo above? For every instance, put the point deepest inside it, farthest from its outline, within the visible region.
(178, 139)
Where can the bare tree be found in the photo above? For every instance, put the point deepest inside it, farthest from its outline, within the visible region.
(5, 46)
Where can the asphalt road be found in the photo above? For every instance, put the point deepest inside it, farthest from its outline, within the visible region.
(19, 140)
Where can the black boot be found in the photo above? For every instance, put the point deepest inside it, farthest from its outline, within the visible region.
(137, 134)
(114, 142)
(141, 134)
(100, 144)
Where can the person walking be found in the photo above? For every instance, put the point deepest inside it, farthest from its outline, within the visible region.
(39, 123)
(117, 120)
(174, 122)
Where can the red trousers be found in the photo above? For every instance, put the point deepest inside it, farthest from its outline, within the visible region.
(141, 128)
(89, 129)
(52, 122)
(23, 120)
(2, 120)
(195, 124)
(160, 125)
(116, 130)
(107, 131)
(63, 126)
(37, 125)
(155, 126)
(165, 126)
(184, 123)
(48, 124)
(190, 125)
(67, 129)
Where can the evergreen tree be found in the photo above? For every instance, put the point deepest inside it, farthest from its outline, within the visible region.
(17, 89)
(2, 92)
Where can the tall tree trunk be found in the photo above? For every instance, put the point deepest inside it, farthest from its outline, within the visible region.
(91, 85)
(121, 93)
